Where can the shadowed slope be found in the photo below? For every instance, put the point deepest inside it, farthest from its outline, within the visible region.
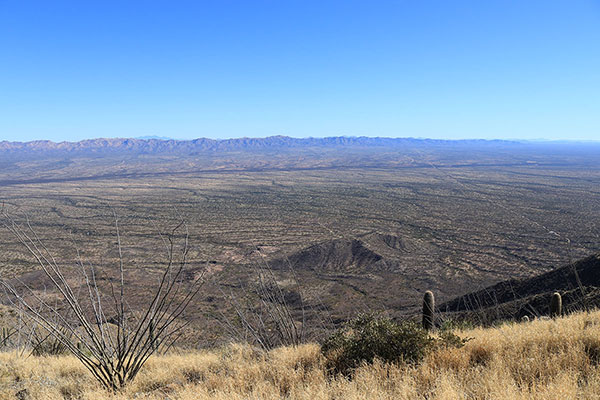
(578, 282)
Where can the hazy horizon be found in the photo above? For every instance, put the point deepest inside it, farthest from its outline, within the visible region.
(165, 138)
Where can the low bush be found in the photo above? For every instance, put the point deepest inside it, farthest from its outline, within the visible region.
(370, 337)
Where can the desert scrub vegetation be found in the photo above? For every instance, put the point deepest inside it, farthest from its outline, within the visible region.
(370, 337)
(541, 359)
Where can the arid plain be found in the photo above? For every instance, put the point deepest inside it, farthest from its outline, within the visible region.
(345, 226)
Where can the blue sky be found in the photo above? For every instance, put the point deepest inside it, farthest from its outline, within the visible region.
(220, 69)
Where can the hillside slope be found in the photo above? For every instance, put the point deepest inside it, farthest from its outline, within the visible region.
(579, 284)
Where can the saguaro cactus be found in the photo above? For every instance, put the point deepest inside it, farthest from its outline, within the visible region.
(428, 310)
(556, 305)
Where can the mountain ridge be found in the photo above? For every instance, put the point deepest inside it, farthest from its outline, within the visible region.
(205, 144)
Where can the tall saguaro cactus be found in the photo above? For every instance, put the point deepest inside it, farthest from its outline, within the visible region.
(556, 305)
(428, 310)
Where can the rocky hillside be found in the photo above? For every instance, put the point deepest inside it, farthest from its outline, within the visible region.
(579, 284)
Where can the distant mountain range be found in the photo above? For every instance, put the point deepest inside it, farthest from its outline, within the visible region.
(153, 145)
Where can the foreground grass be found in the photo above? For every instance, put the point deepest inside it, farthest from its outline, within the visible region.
(537, 360)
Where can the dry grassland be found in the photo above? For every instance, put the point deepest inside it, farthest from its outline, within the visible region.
(554, 359)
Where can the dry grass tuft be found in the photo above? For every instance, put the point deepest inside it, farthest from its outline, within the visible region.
(555, 359)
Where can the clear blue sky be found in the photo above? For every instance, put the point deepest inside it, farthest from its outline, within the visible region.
(445, 69)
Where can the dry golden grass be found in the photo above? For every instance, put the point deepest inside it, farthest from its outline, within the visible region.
(555, 359)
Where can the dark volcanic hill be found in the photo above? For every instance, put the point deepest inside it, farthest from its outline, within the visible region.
(579, 284)
(338, 255)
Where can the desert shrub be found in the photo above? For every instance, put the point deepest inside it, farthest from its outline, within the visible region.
(49, 347)
(44, 343)
(456, 324)
(370, 337)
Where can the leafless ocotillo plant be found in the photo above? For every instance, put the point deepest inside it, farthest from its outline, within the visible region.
(271, 321)
(95, 321)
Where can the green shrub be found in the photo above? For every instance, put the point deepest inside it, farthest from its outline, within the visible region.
(44, 343)
(370, 337)
(48, 346)
(456, 324)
